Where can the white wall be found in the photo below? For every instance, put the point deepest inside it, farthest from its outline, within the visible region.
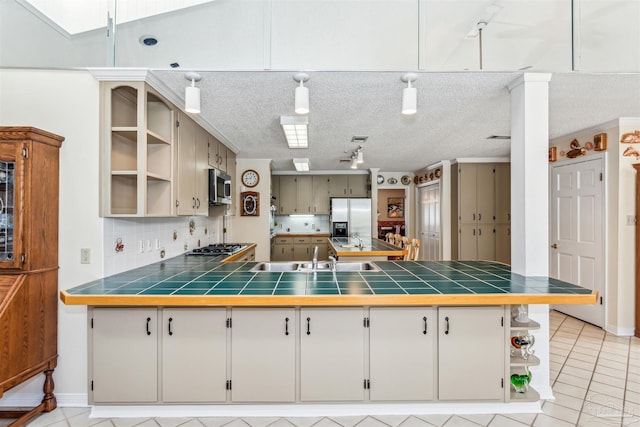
(253, 228)
(65, 103)
(620, 202)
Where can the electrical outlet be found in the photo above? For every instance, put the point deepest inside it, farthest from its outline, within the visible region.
(85, 256)
(141, 246)
(631, 220)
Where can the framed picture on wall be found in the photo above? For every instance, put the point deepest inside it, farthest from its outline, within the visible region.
(395, 207)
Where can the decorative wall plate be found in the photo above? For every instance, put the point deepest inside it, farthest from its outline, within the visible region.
(416, 179)
(406, 180)
(438, 173)
(380, 179)
(392, 181)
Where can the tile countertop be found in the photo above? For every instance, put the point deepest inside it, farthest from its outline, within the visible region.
(207, 281)
(346, 247)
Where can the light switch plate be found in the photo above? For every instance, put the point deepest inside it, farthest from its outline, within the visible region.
(85, 256)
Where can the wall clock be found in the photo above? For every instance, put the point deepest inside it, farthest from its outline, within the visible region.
(250, 203)
(250, 178)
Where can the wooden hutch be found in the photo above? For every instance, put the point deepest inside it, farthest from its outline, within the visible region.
(29, 173)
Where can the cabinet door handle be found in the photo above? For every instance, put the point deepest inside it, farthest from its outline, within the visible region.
(148, 320)
(479, 231)
(474, 216)
(194, 202)
(198, 203)
(425, 325)
(308, 325)
(286, 326)
(170, 320)
(474, 231)
(479, 217)
(446, 325)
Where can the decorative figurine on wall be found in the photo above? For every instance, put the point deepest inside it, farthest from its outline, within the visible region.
(600, 142)
(631, 151)
(631, 138)
(576, 150)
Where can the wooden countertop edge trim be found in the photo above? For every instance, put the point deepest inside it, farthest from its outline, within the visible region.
(304, 235)
(240, 254)
(399, 252)
(324, 300)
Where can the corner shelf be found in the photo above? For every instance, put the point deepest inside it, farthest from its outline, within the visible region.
(529, 326)
(518, 361)
(531, 395)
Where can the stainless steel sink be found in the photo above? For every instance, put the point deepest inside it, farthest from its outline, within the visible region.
(276, 266)
(308, 266)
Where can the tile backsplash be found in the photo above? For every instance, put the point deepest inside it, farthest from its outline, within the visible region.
(301, 224)
(143, 239)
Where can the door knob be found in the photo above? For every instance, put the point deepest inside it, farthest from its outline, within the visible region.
(554, 246)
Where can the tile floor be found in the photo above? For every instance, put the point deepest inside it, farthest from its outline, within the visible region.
(595, 378)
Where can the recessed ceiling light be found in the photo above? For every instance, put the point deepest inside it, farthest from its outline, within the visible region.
(498, 137)
(148, 40)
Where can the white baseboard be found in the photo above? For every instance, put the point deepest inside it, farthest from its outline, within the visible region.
(307, 410)
(621, 332)
(29, 400)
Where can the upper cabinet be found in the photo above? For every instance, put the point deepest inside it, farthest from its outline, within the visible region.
(192, 169)
(149, 165)
(349, 186)
(137, 141)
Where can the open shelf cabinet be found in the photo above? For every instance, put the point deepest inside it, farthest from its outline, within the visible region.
(138, 141)
(517, 363)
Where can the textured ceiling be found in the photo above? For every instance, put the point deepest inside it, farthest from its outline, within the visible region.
(456, 113)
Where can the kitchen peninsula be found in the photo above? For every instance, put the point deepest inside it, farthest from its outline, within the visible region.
(368, 249)
(198, 330)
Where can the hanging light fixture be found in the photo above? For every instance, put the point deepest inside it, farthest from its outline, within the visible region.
(302, 94)
(409, 95)
(192, 94)
(354, 161)
(359, 155)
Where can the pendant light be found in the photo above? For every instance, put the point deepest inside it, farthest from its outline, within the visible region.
(409, 95)
(192, 94)
(354, 161)
(301, 94)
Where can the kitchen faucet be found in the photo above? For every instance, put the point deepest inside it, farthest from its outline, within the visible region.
(314, 262)
(333, 263)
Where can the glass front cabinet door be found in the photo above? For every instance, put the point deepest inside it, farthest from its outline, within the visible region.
(11, 205)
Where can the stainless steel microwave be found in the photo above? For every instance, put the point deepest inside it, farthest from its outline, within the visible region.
(219, 187)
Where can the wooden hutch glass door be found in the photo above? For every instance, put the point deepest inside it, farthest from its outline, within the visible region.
(11, 254)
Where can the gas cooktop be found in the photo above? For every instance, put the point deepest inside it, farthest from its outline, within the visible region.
(219, 249)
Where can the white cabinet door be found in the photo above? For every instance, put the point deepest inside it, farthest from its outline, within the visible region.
(402, 353)
(186, 197)
(124, 355)
(358, 186)
(194, 354)
(263, 355)
(201, 172)
(471, 353)
(332, 354)
(321, 194)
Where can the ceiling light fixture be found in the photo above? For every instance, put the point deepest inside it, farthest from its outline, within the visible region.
(192, 94)
(302, 165)
(354, 161)
(302, 94)
(359, 155)
(409, 95)
(295, 130)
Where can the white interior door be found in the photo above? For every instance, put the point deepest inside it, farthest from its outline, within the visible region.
(577, 236)
(429, 222)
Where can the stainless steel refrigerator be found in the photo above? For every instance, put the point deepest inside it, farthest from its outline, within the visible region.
(349, 216)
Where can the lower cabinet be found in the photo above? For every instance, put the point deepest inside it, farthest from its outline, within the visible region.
(263, 355)
(124, 355)
(471, 353)
(402, 351)
(332, 354)
(297, 354)
(194, 354)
